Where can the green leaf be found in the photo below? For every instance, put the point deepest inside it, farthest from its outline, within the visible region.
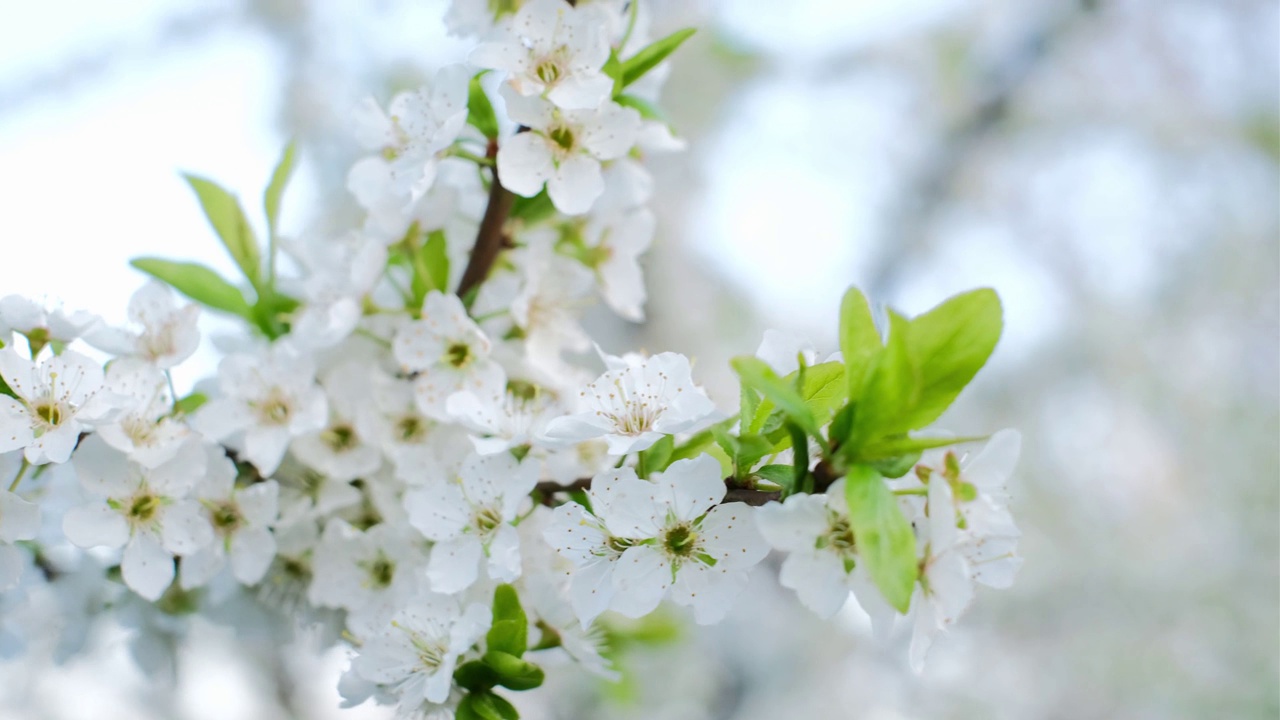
(882, 535)
(926, 363)
(695, 445)
(859, 339)
(749, 451)
(475, 675)
(647, 59)
(657, 457)
(890, 387)
(647, 110)
(512, 672)
(894, 446)
(485, 706)
(783, 475)
(198, 283)
(279, 179)
(190, 403)
(435, 256)
(822, 391)
(534, 209)
(613, 69)
(510, 630)
(948, 346)
(759, 376)
(479, 110)
(228, 221)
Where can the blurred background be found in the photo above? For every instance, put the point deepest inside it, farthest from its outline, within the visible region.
(1112, 167)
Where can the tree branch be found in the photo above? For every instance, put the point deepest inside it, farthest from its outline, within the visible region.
(490, 240)
(734, 493)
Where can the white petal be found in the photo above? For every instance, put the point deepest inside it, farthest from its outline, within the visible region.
(91, 525)
(729, 535)
(265, 448)
(640, 579)
(794, 524)
(252, 550)
(504, 554)
(591, 590)
(710, 591)
(146, 567)
(524, 163)
(439, 511)
(15, 424)
(818, 579)
(259, 503)
(185, 528)
(200, 567)
(455, 564)
(575, 184)
(19, 519)
(581, 92)
(694, 485)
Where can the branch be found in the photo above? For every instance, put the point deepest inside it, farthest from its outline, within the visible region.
(734, 493)
(490, 240)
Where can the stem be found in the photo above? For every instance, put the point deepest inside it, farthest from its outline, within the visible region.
(173, 394)
(490, 241)
(631, 25)
(912, 491)
(465, 155)
(22, 470)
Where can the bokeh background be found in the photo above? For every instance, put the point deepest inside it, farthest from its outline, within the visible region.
(1112, 167)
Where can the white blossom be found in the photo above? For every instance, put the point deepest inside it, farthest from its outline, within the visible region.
(148, 511)
(57, 399)
(416, 654)
(339, 450)
(411, 137)
(169, 331)
(686, 543)
(144, 429)
(19, 520)
(469, 520)
(554, 50)
(450, 353)
(614, 245)
(240, 518)
(563, 149)
(633, 405)
(271, 397)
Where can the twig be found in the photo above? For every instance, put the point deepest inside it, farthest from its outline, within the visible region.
(490, 240)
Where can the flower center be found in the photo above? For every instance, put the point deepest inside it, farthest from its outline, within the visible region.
(458, 355)
(562, 136)
(340, 438)
(680, 541)
(225, 517)
(50, 412)
(381, 571)
(487, 519)
(411, 428)
(143, 508)
(548, 70)
(275, 410)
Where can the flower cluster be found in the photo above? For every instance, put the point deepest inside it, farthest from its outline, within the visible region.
(401, 449)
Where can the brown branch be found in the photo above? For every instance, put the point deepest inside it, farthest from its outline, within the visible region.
(733, 493)
(490, 240)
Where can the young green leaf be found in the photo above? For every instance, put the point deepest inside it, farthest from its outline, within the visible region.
(534, 209)
(198, 283)
(648, 58)
(510, 630)
(949, 345)
(275, 190)
(657, 457)
(485, 706)
(436, 258)
(479, 110)
(757, 375)
(190, 403)
(783, 475)
(822, 391)
(890, 388)
(512, 672)
(228, 221)
(859, 339)
(647, 110)
(882, 534)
